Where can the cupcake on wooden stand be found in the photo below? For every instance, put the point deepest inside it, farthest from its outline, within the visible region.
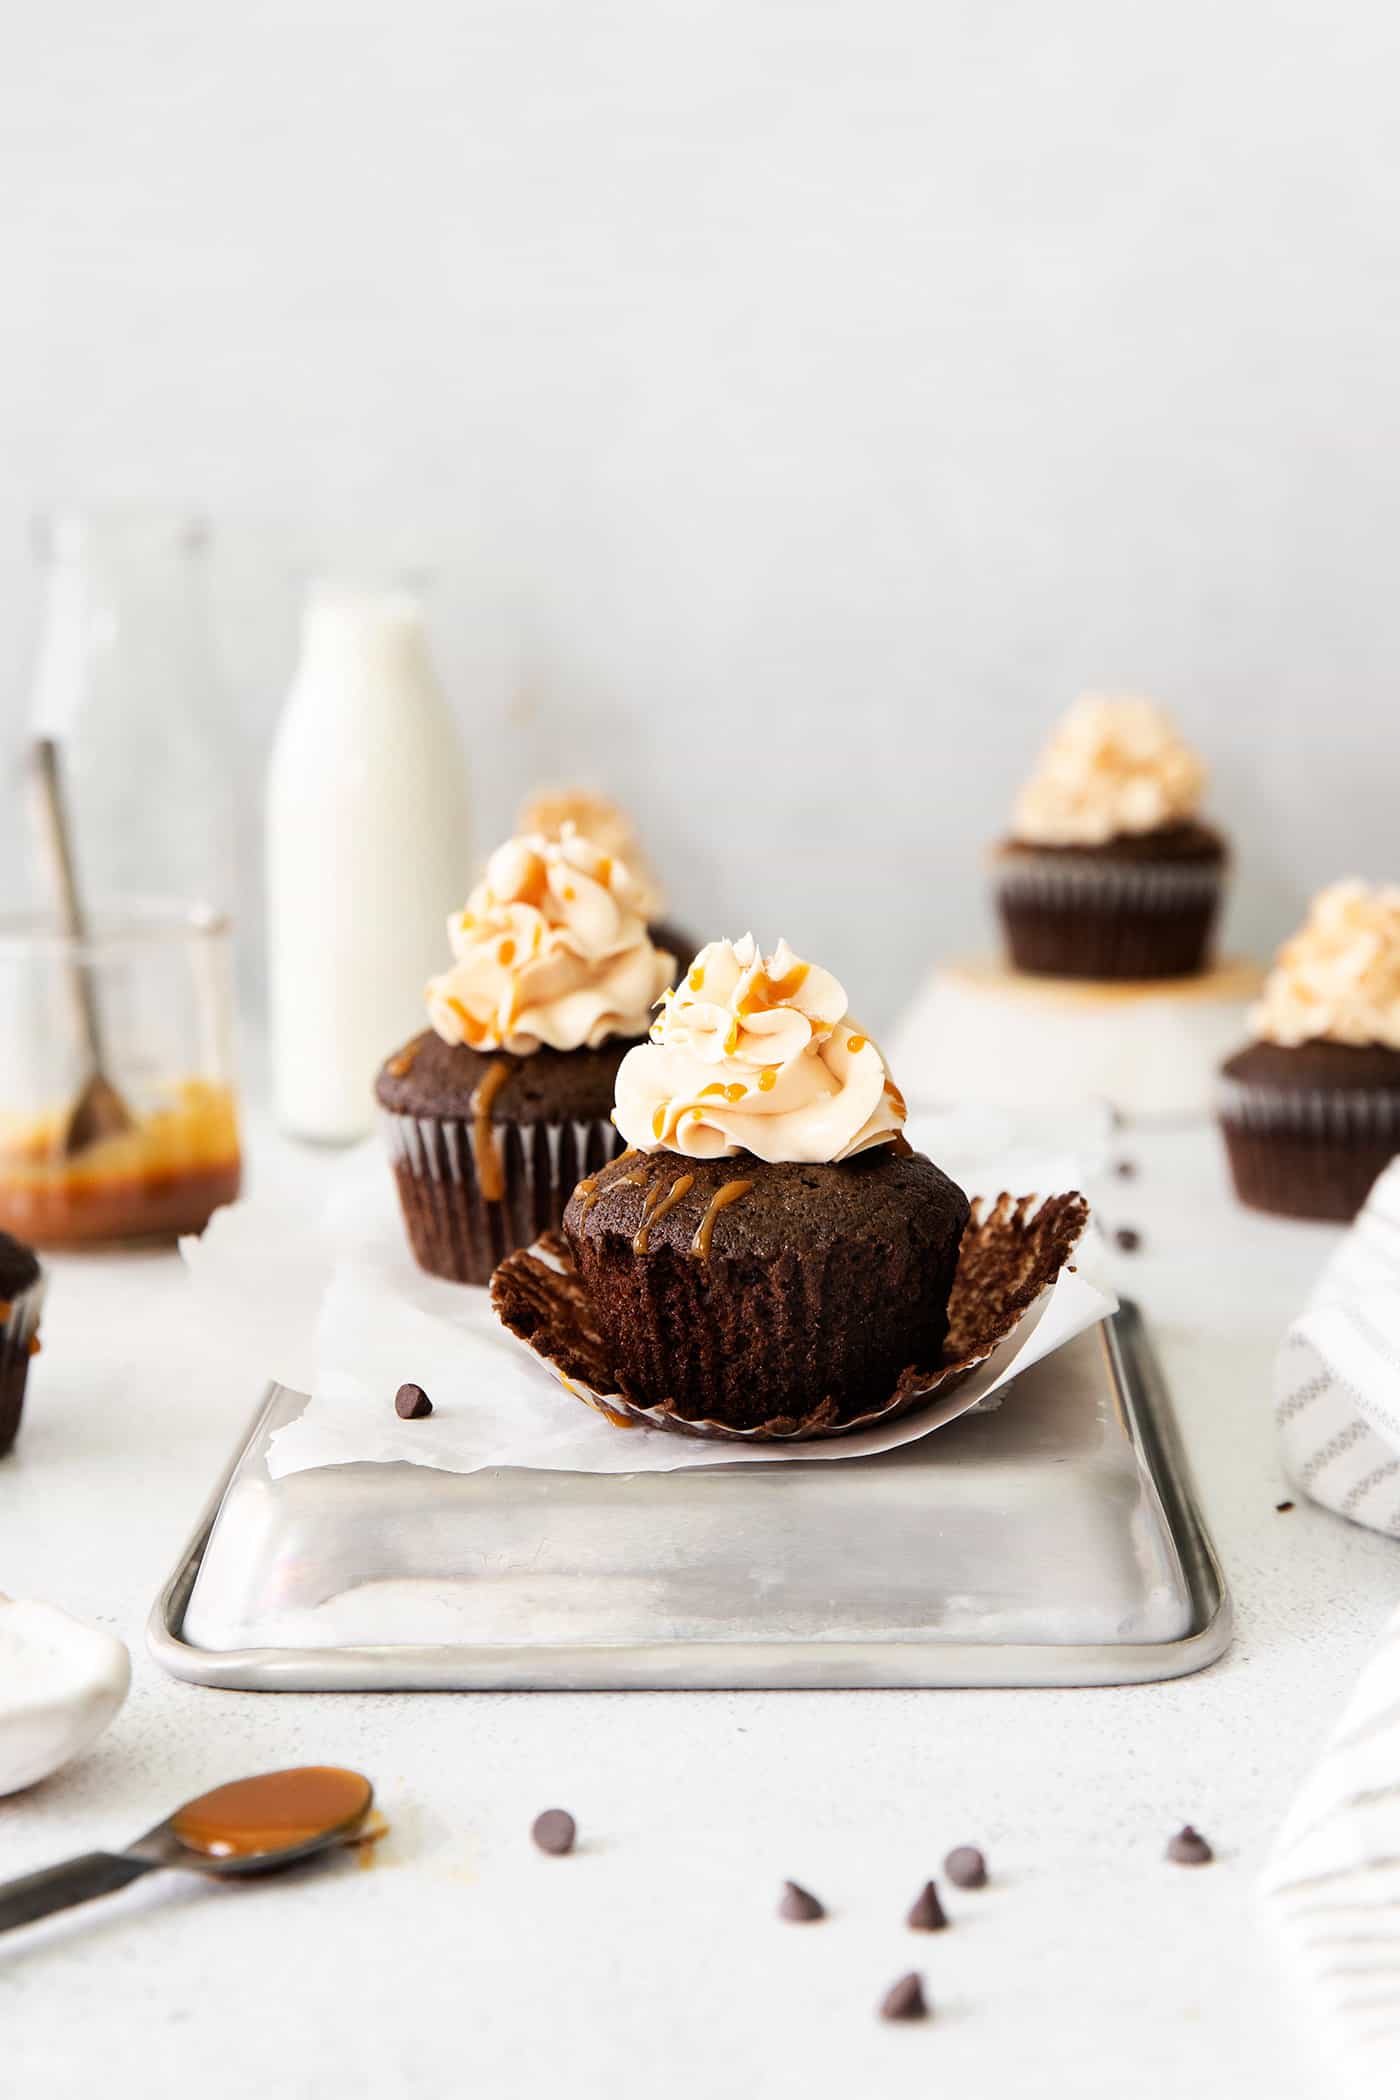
(1108, 890)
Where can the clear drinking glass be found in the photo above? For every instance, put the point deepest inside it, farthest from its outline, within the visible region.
(161, 979)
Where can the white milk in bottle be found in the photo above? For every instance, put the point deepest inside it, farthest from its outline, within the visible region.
(367, 853)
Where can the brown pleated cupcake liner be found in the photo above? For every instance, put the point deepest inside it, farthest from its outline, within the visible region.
(1307, 1152)
(1068, 917)
(1012, 1252)
(455, 1229)
(19, 1336)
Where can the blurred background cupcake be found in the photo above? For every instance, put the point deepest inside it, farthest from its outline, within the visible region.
(21, 1299)
(1109, 872)
(1310, 1109)
(494, 1112)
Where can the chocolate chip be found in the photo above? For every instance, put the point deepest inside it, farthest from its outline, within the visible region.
(554, 1831)
(411, 1403)
(927, 1914)
(1282, 1506)
(800, 1905)
(905, 2000)
(1128, 1238)
(1188, 1848)
(966, 1868)
(1125, 1169)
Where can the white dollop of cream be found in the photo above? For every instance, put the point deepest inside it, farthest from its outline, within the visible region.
(61, 1683)
(757, 1054)
(1113, 767)
(1338, 979)
(552, 948)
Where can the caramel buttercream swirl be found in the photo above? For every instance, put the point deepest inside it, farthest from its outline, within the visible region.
(757, 1054)
(600, 819)
(1338, 979)
(1114, 767)
(552, 948)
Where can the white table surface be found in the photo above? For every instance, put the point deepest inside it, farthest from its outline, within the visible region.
(461, 1962)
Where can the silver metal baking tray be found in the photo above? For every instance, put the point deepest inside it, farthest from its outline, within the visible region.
(1055, 1541)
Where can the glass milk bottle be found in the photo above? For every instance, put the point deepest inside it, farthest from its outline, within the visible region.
(367, 853)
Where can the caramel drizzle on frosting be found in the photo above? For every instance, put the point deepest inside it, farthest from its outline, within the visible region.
(729, 1193)
(490, 1174)
(657, 1205)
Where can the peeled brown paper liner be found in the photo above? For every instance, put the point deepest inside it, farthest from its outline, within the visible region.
(1012, 1252)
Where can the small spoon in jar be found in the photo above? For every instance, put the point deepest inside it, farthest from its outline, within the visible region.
(252, 1826)
(99, 1110)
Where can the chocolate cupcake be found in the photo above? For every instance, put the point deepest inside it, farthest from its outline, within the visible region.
(1310, 1110)
(493, 1113)
(1109, 873)
(769, 1247)
(21, 1300)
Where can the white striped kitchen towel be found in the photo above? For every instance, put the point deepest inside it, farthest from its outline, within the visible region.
(1333, 1886)
(1333, 1879)
(1337, 1380)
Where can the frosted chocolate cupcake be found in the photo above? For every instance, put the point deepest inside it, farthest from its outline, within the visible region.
(769, 1246)
(497, 1109)
(597, 817)
(21, 1299)
(1109, 872)
(1310, 1109)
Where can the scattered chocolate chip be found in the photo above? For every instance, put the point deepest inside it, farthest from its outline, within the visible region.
(966, 1868)
(1282, 1506)
(1125, 1169)
(1188, 1848)
(800, 1905)
(928, 1914)
(554, 1831)
(411, 1403)
(1128, 1238)
(905, 2000)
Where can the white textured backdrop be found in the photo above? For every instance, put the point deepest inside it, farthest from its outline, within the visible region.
(797, 399)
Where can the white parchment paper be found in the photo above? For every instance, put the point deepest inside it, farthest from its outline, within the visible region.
(337, 1308)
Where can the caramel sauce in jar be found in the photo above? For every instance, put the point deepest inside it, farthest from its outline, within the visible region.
(274, 1812)
(730, 1192)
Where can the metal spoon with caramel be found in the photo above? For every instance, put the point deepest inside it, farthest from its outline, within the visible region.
(253, 1826)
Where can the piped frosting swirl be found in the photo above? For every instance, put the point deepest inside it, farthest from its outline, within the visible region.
(757, 1054)
(1113, 767)
(1338, 979)
(552, 948)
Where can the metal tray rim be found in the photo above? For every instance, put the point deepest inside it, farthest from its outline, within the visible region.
(747, 1664)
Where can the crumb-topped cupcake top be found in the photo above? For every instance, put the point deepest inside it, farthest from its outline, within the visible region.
(1114, 767)
(757, 1054)
(552, 948)
(1338, 979)
(549, 811)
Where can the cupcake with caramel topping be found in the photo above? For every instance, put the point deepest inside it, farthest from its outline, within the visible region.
(769, 1246)
(1310, 1109)
(497, 1109)
(1109, 872)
